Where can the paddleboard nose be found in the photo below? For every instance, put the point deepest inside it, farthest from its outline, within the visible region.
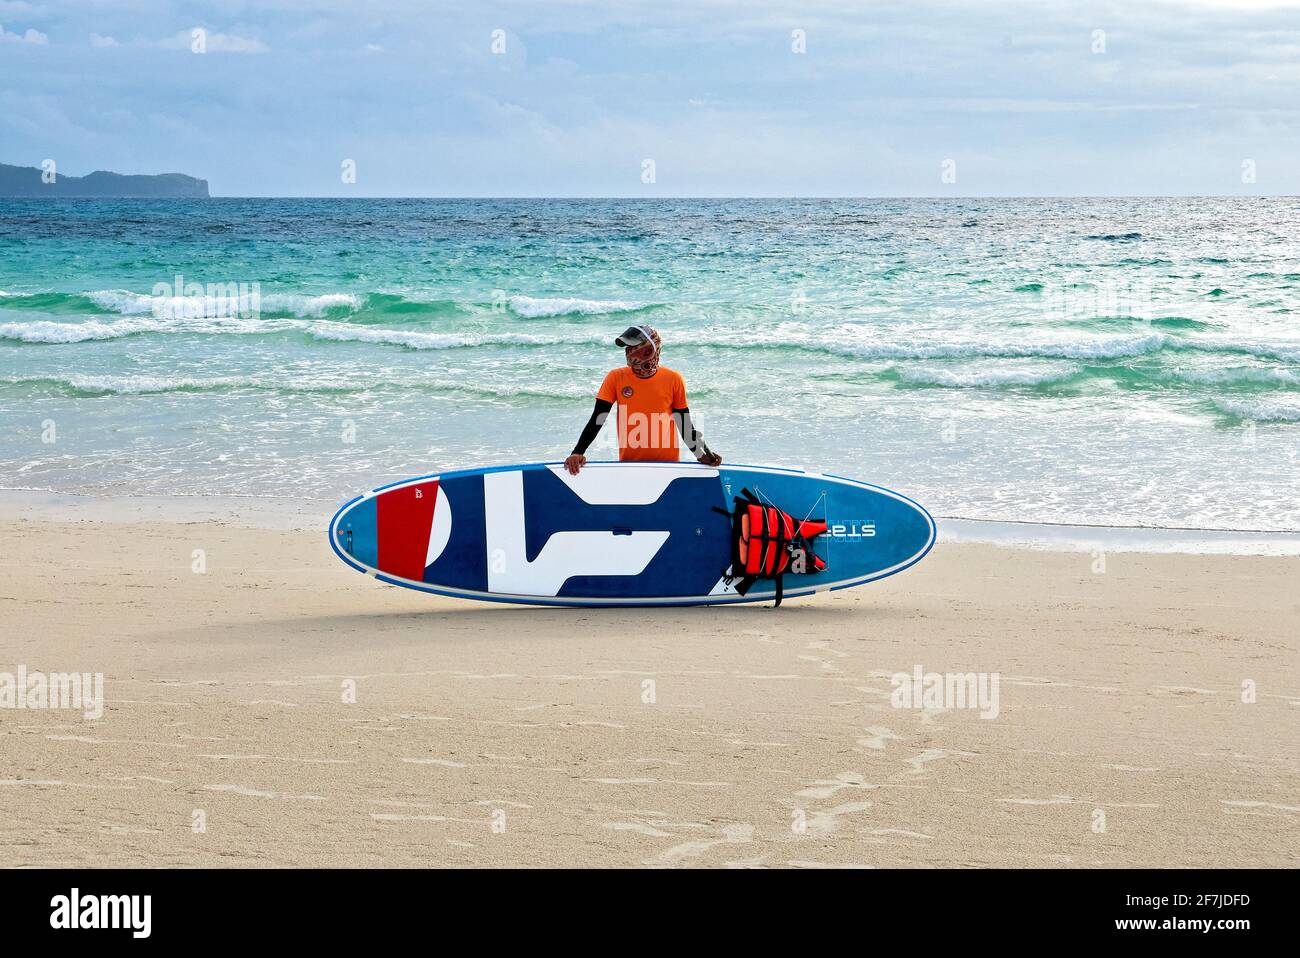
(399, 532)
(404, 527)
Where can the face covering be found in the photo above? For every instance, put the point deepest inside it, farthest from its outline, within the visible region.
(644, 359)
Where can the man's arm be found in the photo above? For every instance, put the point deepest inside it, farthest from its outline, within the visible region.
(694, 439)
(577, 459)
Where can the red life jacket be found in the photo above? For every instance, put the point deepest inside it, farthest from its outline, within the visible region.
(766, 543)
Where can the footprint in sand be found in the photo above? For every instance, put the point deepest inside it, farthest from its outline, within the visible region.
(824, 646)
(876, 737)
(825, 821)
(933, 755)
(826, 665)
(736, 834)
(827, 789)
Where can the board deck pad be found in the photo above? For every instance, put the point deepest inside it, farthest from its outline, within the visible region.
(615, 534)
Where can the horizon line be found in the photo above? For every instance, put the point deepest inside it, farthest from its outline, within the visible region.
(820, 196)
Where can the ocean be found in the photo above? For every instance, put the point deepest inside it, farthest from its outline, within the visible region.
(1101, 361)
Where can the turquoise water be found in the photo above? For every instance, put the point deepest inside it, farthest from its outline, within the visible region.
(1105, 361)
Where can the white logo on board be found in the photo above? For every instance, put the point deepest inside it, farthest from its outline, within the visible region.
(577, 553)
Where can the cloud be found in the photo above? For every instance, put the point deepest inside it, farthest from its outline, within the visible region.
(213, 42)
(586, 89)
(33, 37)
(97, 41)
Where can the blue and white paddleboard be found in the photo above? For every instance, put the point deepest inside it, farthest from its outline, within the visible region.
(616, 533)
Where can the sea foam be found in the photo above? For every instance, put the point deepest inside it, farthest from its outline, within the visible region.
(1263, 409)
(530, 307)
(127, 303)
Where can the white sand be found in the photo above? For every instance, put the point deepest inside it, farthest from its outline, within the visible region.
(770, 739)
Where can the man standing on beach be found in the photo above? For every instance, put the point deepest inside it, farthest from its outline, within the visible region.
(652, 403)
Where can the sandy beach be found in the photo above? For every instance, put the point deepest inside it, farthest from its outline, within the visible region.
(486, 735)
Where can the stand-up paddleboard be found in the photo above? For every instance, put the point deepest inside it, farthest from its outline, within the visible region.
(622, 533)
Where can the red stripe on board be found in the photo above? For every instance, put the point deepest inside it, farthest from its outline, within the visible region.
(404, 519)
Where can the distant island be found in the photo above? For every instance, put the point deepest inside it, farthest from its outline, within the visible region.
(25, 182)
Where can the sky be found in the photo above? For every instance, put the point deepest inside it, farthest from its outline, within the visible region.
(661, 98)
